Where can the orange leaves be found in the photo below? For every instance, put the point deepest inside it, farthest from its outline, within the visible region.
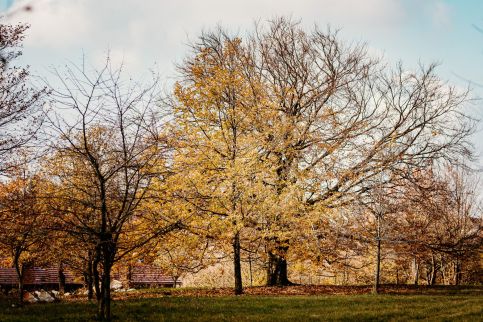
(24, 222)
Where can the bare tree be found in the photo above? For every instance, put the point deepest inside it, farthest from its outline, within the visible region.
(107, 159)
(343, 118)
(20, 102)
(442, 219)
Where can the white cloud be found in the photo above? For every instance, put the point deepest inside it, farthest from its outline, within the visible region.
(56, 23)
(441, 14)
(151, 31)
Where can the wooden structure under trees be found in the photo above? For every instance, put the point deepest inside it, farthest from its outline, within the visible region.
(141, 276)
(36, 278)
(137, 276)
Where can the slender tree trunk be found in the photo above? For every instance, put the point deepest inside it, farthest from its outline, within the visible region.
(129, 276)
(19, 269)
(457, 272)
(89, 277)
(96, 276)
(61, 279)
(443, 270)
(237, 264)
(106, 248)
(270, 267)
(416, 271)
(108, 253)
(377, 271)
(20, 291)
(344, 272)
(434, 270)
(433, 278)
(428, 275)
(250, 268)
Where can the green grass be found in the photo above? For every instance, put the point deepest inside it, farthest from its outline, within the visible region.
(467, 307)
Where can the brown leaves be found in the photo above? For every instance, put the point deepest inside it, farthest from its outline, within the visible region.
(297, 290)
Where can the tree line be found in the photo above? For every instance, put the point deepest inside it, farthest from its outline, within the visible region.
(282, 146)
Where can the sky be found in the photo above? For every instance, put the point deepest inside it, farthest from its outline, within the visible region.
(152, 34)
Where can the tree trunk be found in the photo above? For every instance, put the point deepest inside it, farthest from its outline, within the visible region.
(457, 272)
(250, 268)
(20, 291)
(278, 276)
(61, 279)
(129, 276)
(434, 270)
(108, 253)
(270, 263)
(277, 271)
(237, 264)
(443, 270)
(416, 271)
(89, 275)
(96, 277)
(105, 305)
(428, 275)
(283, 277)
(106, 249)
(88, 279)
(377, 271)
(20, 274)
(433, 278)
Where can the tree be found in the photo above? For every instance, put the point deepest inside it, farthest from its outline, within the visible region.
(108, 153)
(23, 223)
(184, 252)
(309, 78)
(379, 219)
(217, 156)
(343, 119)
(441, 220)
(20, 102)
(324, 119)
(425, 226)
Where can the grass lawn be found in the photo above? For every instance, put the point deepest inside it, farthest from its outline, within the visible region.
(439, 307)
